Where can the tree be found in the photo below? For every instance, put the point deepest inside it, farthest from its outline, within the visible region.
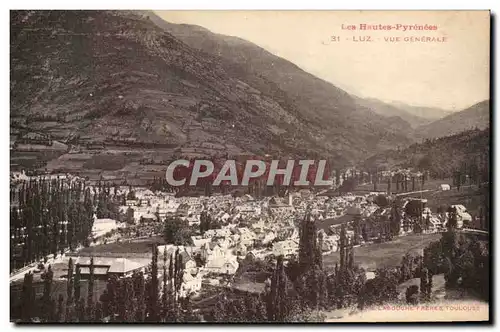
(382, 201)
(129, 217)
(90, 293)
(76, 285)
(310, 251)
(46, 299)
(131, 194)
(425, 163)
(380, 289)
(153, 288)
(424, 284)
(276, 303)
(395, 219)
(69, 289)
(177, 231)
(414, 208)
(28, 298)
(60, 310)
(412, 294)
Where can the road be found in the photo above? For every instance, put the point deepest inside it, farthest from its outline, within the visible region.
(20, 274)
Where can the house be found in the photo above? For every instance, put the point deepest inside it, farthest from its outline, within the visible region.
(171, 207)
(230, 267)
(330, 243)
(276, 206)
(223, 216)
(143, 213)
(444, 187)
(162, 212)
(249, 208)
(212, 250)
(104, 267)
(19, 176)
(240, 250)
(183, 209)
(222, 264)
(131, 202)
(285, 248)
(190, 284)
(148, 217)
(247, 237)
(268, 237)
(223, 241)
(463, 216)
(198, 241)
(188, 263)
(435, 223)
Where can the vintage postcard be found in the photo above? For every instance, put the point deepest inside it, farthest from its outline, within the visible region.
(249, 166)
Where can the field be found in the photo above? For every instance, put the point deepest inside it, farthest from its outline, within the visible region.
(469, 196)
(428, 185)
(388, 254)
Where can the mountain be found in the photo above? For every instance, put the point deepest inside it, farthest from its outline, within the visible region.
(115, 79)
(476, 116)
(390, 110)
(441, 156)
(430, 113)
(313, 98)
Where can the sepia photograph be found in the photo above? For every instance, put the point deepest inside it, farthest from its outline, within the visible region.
(250, 166)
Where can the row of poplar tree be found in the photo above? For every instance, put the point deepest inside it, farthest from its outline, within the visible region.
(50, 216)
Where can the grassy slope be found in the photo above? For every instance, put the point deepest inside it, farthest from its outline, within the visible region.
(386, 254)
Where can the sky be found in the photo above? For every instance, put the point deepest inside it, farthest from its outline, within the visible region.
(452, 74)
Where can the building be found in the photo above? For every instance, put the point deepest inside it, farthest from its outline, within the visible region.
(444, 187)
(222, 264)
(188, 263)
(105, 267)
(190, 284)
(463, 216)
(240, 250)
(285, 248)
(131, 202)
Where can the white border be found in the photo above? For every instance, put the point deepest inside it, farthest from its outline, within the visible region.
(191, 4)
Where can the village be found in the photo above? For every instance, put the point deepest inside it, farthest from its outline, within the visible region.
(220, 231)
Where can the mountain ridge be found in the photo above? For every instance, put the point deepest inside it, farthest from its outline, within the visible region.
(105, 77)
(238, 50)
(475, 116)
(322, 96)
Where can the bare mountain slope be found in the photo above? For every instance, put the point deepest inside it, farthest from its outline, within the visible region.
(476, 116)
(313, 98)
(117, 78)
(115, 75)
(430, 113)
(390, 110)
(441, 156)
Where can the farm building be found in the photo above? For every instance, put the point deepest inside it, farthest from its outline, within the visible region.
(104, 267)
(444, 187)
